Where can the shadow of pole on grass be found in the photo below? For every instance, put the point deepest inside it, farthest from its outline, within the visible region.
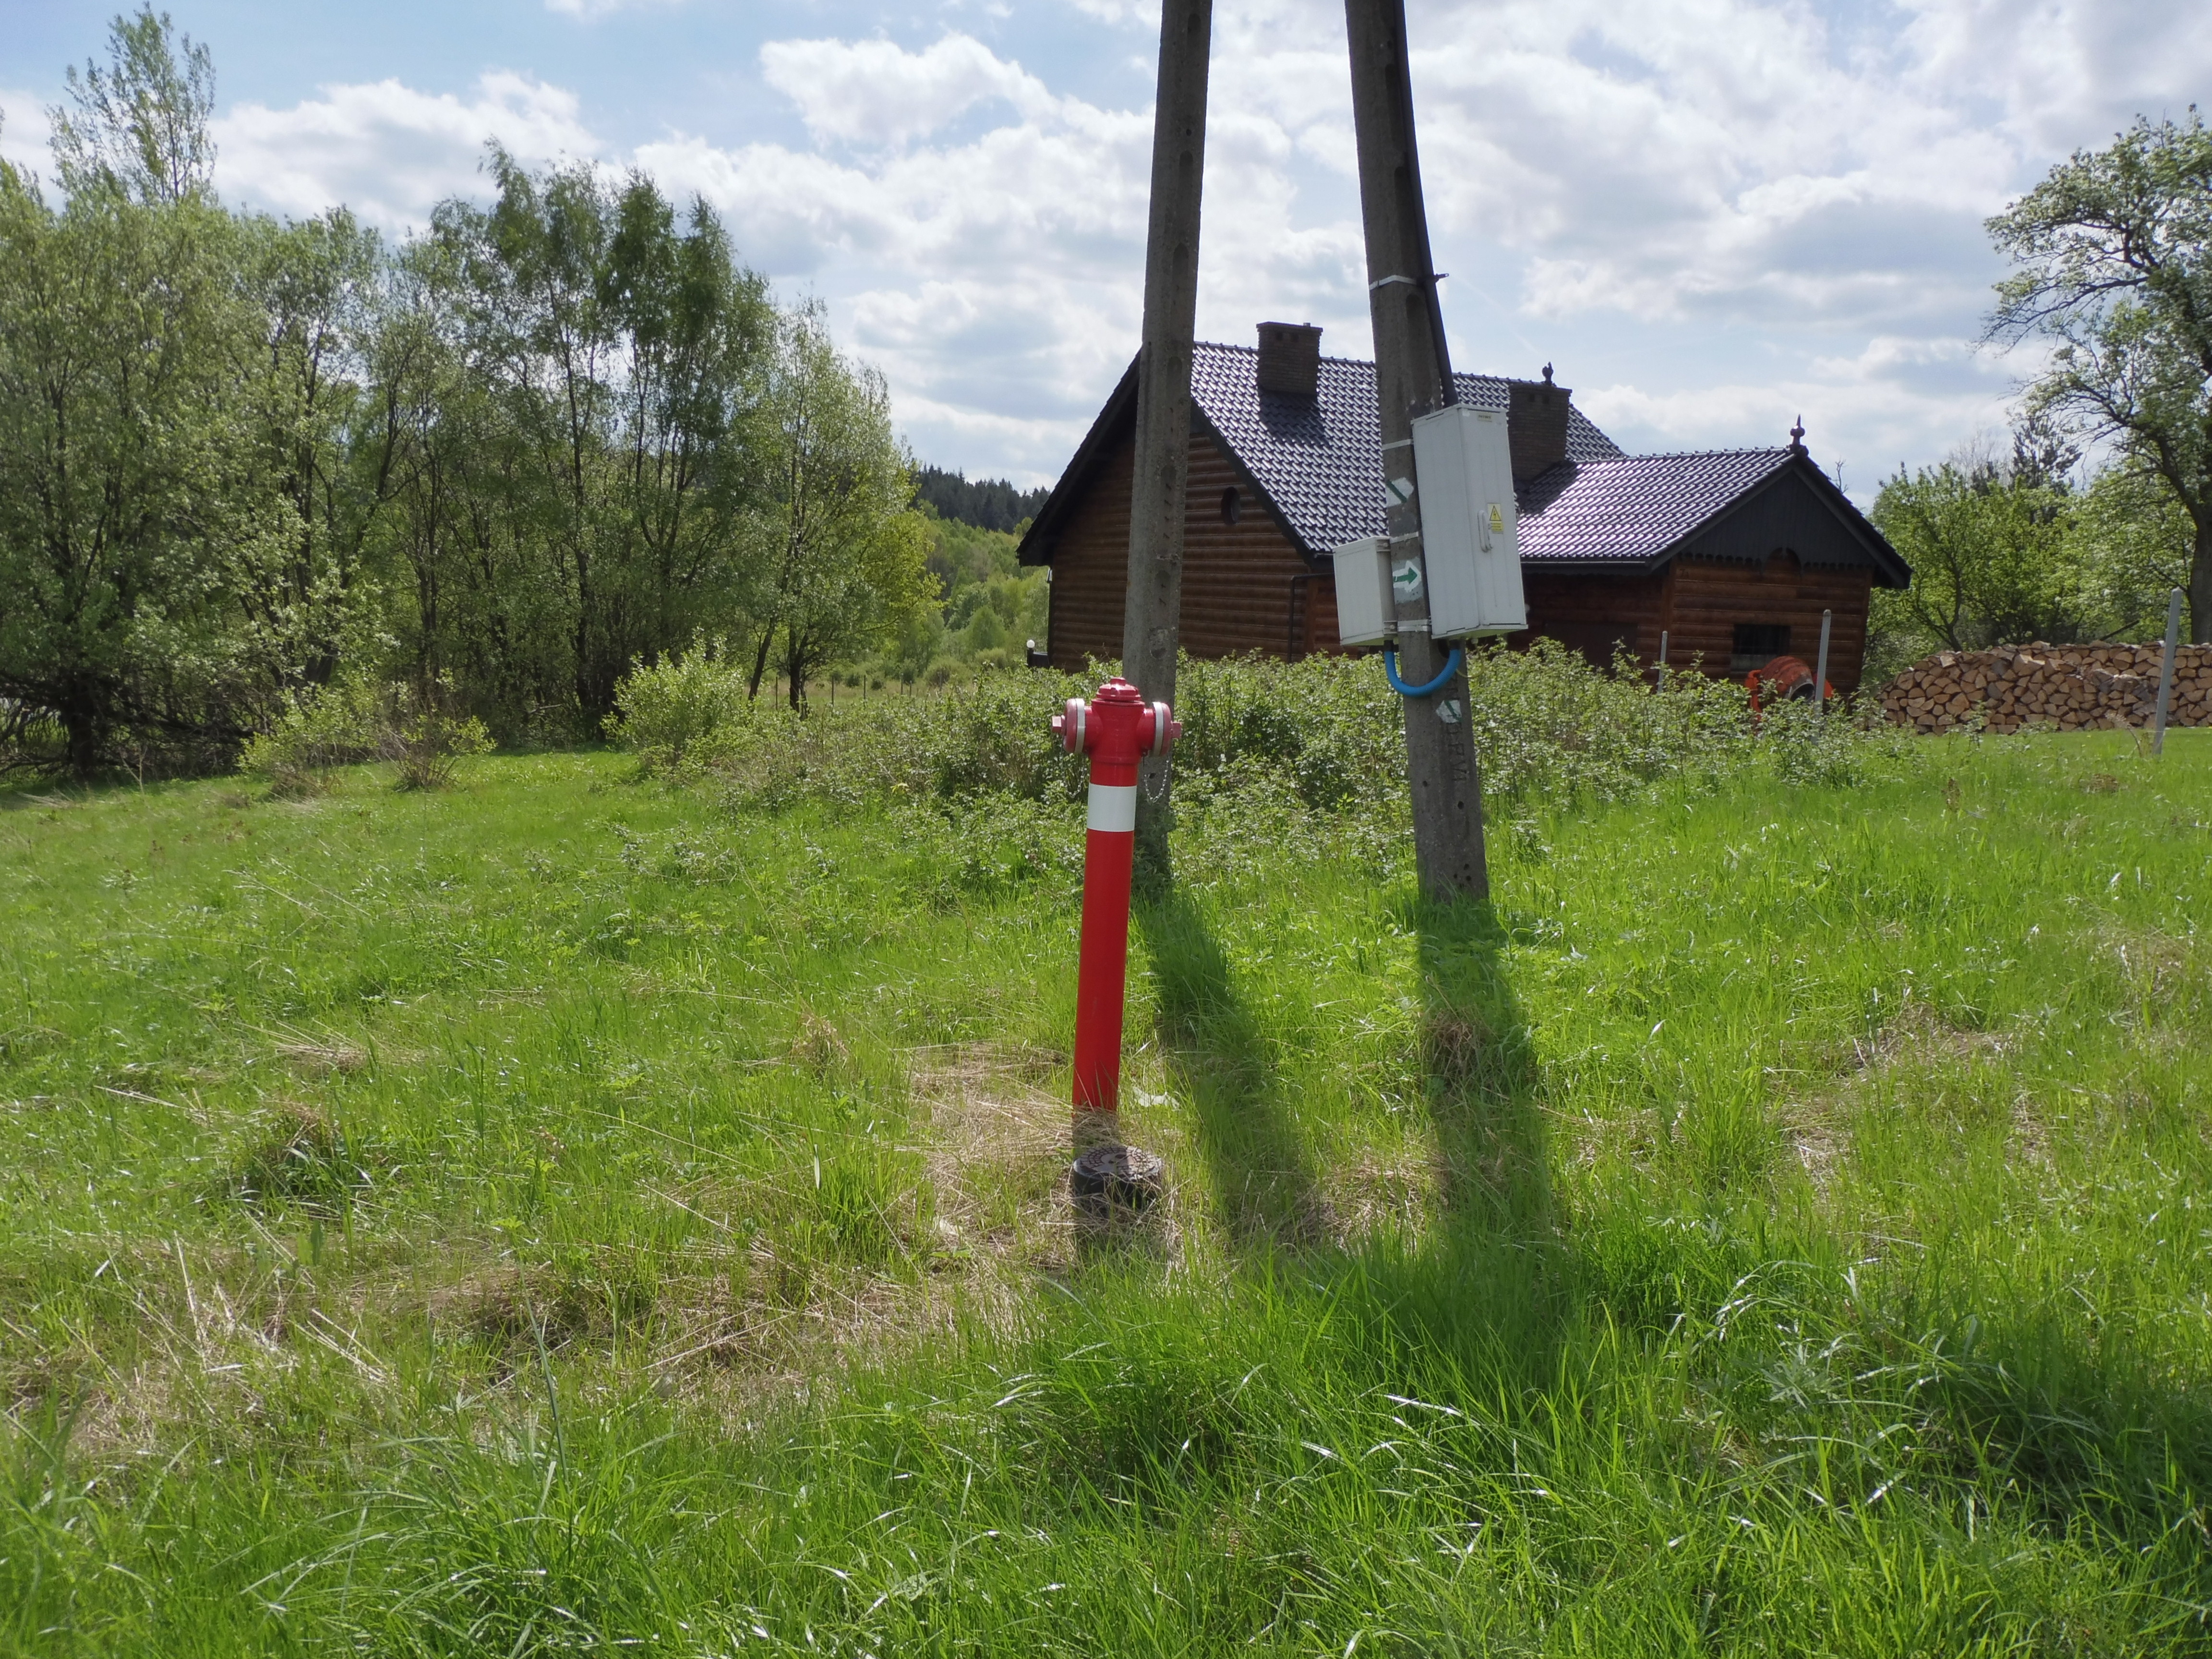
(1479, 1074)
(1480, 1292)
(1218, 1059)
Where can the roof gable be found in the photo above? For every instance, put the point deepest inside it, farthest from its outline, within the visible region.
(1799, 509)
(1632, 509)
(1639, 510)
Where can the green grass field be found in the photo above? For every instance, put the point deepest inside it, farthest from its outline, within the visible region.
(564, 1213)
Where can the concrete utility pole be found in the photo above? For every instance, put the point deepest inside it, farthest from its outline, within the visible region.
(1412, 376)
(1151, 621)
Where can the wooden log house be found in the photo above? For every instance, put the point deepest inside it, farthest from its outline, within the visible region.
(1733, 554)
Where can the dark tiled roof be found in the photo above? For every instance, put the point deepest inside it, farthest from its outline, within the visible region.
(1321, 462)
(1629, 509)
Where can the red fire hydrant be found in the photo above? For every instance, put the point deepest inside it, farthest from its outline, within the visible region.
(1117, 729)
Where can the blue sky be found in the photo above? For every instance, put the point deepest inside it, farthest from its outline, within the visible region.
(1710, 214)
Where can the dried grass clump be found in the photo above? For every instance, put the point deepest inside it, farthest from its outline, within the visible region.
(819, 1047)
(1453, 1045)
(519, 1305)
(323, 1057)
(1380, 1189)
(1817, 1142)
(998, 1147)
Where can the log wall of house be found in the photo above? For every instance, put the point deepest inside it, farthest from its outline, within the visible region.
(1697, 604)
(1245, 587)
(1593, 611)
(1091, 567)
(1707, 598)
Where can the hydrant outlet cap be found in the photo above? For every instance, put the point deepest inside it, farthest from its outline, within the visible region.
(1166, 728)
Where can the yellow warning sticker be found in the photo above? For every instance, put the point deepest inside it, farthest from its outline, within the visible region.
(1497, 520)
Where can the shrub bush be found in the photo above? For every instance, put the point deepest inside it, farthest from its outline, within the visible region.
(318, 729)
(1312, 751)
(682, 712)
(31, 739)
(350, 720)
(426, 736)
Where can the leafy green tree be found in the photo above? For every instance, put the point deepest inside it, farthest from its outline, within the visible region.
(329, 444)
(467, 593)
(2113, 252)
(1993, 560)
(188, 483)
(139, 126)
(916, 644)
(699, 330)
(981, 570)
(141, 551)
(2134, 542)
(844, 557)
(622, 363)
(558, 436)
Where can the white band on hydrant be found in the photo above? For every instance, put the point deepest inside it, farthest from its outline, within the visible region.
(1113, 807)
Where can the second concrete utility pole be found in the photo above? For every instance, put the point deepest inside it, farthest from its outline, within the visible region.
(1152, 620)
(1412, 376)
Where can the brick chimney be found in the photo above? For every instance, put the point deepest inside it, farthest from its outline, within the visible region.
(1536, 425)
(1290, 359)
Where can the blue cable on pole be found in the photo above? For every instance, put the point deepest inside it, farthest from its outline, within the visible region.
(1390, 668)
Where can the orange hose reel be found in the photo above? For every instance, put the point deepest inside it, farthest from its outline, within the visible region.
(1785, 679)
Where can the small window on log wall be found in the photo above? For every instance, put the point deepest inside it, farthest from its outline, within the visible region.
(1758, 644)
(1232, 505)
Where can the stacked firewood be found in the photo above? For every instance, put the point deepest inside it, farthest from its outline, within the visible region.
(2067, 687)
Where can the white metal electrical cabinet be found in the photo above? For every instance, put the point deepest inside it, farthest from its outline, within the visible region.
(1363, 611)
(1470, 533)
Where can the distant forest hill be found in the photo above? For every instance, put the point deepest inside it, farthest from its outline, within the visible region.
(987, 503)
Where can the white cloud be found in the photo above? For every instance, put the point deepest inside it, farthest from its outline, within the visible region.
(593, 8)
(1702, 157)
(1900, 398)
(1138, 12)
(1781, 204)
(874, 92)
(24, 129)
(387, 151)
(1715, 214)
(2055, 74)
(989, 272)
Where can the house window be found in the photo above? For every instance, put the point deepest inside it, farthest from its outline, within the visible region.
(1758, 644)
(1232, 505)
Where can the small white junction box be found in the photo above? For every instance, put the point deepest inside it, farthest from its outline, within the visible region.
(1470, 533)
(1365, 615)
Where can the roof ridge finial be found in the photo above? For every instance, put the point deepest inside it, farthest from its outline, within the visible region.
(1547, 374)
(1797, 437)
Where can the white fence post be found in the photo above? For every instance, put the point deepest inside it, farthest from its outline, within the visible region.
(1821, 668)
